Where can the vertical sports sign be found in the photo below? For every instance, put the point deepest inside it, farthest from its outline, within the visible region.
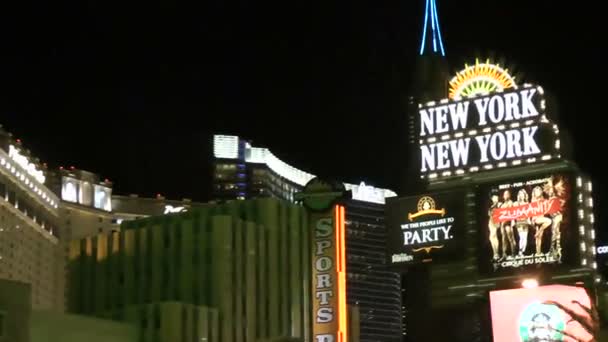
(328, 260)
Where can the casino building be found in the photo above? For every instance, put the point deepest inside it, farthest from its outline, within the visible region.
(499, 204)
(29, 226)
(243, 171)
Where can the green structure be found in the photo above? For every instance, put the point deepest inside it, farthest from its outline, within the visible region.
(48, 326)
(238, 271)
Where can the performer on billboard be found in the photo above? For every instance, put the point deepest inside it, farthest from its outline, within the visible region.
(493, 226)
(540, 328)
(522, 224)
(556, 191)
(506, 228)
(541, 221)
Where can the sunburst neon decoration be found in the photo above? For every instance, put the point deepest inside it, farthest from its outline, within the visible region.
(481, 78)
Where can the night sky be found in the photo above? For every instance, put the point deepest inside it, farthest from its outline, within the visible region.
(133, 90)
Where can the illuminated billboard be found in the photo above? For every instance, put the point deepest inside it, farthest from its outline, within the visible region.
(328, 259)
(540, 314)
(528, 222)
(424, 228)
(486, 132)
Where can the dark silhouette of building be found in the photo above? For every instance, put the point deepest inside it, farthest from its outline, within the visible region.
(430, 82)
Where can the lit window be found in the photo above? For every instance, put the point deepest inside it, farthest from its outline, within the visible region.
(69, 190)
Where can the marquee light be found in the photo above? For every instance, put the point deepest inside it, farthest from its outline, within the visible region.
(481, 78)
(486, 132)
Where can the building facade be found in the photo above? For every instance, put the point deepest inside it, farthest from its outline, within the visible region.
(236, 272)
(86, 202)
(373, 289)
(29, 226)
(15, 311)
(243, 171)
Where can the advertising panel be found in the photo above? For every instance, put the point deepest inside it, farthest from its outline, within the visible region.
(329, 276)
(528, 222)
(540, 314)
(509, 128)
(328, 233)
(425, 228)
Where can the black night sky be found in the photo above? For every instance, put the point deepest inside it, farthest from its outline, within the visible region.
(133, 90)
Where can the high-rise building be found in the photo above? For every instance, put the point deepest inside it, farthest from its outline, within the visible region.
(243, 171)
(370, 286)
(430, 82)
(239, 271)
(29, 221)
(505, 203)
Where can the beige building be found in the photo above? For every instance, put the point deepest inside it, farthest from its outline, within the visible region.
(86, 203)
(29, 235)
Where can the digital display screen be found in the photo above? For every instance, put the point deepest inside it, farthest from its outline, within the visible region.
(539, 314)
(528, 222)
(425, 228)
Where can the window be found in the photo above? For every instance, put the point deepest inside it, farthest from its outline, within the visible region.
(12, 199)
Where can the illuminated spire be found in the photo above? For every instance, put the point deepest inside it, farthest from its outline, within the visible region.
(431, 34)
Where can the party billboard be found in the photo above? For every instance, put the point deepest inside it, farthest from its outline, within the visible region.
(548, 313)
(528, 222)
(425, 228)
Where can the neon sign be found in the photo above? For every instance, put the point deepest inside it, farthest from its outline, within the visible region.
(486, 131)
(22, 160)
(171, 209)
(329, 314)
(481, 78)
